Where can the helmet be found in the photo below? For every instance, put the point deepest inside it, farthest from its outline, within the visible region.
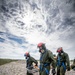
(26, 54)
(41, 46)
(59, 49)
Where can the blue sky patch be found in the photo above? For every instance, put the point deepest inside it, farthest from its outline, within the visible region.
(2, 40)
(16, 39)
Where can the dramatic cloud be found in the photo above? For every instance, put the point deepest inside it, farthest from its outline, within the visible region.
(25, 23)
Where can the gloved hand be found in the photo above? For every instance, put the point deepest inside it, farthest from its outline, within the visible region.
(53, 71)
(68, 68)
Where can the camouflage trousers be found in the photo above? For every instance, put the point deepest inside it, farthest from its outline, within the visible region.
(60, 70)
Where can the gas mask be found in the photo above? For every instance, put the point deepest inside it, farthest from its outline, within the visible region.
(41, 50)
(60, 53)
(27, 57)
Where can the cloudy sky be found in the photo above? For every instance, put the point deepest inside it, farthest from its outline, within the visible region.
(25, 23)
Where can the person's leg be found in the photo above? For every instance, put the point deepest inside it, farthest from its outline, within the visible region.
(44, 73)
(62, 71)
(58, 70)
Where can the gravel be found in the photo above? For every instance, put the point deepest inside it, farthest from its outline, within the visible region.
(18, 68)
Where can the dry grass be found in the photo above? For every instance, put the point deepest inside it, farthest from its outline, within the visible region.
(4, 61)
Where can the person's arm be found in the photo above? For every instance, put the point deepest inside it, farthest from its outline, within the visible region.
(68, 62)
(53, 61)
(35, 61)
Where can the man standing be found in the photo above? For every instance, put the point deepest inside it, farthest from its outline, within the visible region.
(63, 62)
(29, 62)
(46, 59)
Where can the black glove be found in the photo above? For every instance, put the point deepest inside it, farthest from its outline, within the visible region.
(68, 68)
(53, 71)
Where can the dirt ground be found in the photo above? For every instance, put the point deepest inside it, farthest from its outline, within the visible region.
(18, 68)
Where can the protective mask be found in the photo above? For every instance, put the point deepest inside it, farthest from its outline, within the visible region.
(59, 53)
(40, 48)
(42, 51)
(27, 58)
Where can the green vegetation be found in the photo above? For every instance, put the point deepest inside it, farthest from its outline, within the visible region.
(4, 61)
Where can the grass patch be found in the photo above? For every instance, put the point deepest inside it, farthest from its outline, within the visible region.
(5, 61)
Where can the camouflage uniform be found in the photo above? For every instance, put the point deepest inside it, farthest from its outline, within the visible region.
(63, 63)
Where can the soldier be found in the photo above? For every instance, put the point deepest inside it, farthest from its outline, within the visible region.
(62, 62)
(29, 62)
(46, 59)
(73, 65)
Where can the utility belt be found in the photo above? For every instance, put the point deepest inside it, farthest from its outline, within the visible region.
(43, 67)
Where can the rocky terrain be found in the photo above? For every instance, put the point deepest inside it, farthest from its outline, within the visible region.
(18, 68)
(13, 68)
